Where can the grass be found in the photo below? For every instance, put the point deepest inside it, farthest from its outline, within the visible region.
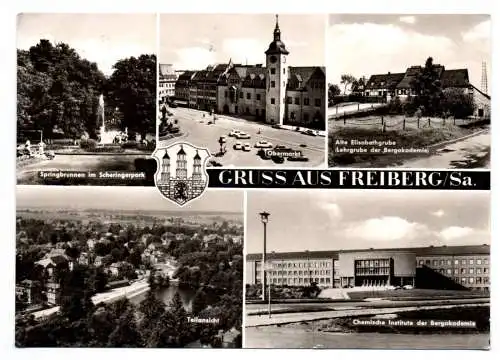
(412, 138)
(480, 314)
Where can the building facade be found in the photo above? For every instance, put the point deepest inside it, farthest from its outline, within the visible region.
(401, 85)
(166, 82)
(182, 85)
(450, 267)
(274, 92)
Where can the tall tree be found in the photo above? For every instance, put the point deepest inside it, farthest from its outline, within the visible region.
(428, 90)
(346, 80)
(125, 333)
(132, 88)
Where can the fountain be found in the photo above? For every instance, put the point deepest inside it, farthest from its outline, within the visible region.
(106, 137)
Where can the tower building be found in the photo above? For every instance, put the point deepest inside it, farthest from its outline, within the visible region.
(277, 70)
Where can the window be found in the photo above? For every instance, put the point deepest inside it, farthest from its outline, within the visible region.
(248, 96)
(306, 117)
(292, 115)
(289, 100)
(478, 261)
(462, 271)
(258, 96)
(456, 262)
(272, 101)
(464, 262)
(297, 101)
(448, 262)
(284, 70)
(455, 271)
(471, 262)
(471, 271)
(421, 262)
(486, 261)
(284, 84)
(317, 102)
(273, 84)
(448, 271)
(441, 262)
(241, 95)
(306, 101)
(434, 262)
(273, 71)
(478, 271)
(471, 280)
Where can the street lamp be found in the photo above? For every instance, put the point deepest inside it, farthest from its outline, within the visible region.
(264, 218)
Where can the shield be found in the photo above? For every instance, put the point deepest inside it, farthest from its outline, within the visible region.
(181, 175)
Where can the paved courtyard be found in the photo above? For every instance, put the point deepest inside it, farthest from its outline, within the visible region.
(196, 131)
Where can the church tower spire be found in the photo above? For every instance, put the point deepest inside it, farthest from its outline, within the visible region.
(277, 31)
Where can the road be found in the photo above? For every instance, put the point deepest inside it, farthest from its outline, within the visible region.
(473, 152)
(130, 291)
(291, 338)
(199, 133)
(28, 173)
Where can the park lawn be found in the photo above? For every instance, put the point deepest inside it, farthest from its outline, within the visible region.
(416, 294)
(411, 138)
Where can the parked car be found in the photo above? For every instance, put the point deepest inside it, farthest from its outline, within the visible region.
(277, 126)
(408, 287)
(242, 135)
(263, 144)
(222, 139)
(263, 154)
(277, 159)
(233, 133)
(309, 132)
(282, 148)
(298, 158)
(50, 154)
(238, 146)
(246, 147)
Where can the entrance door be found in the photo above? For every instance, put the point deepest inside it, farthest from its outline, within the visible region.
(480, 112)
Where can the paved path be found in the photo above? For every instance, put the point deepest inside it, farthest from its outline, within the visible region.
(265, 320)
(473, 152)
(199, 133)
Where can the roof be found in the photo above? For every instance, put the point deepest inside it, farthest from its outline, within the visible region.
(181, 151)
(166, 69)
(197, 156)
(186, 75)
(482, 93)
(455, 78)
(419, 251)
(388, 80)
(299, 76)
(166, 155)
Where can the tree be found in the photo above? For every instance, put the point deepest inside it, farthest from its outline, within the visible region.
(152, 310)
(333, 90)
(427, 88)
(132, 88)
(199, 301)
(125, 333)
(346, 79)
(457, 103)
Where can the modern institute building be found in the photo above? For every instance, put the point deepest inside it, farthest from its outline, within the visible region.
(275, 93)
(446, 267)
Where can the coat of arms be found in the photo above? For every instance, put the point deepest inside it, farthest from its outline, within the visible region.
(181, 175)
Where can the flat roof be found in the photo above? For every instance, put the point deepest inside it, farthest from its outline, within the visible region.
(457, 250)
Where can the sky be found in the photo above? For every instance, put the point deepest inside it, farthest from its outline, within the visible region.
(363, 45)
(100, 38)
(362, 219)
(194, 41)
(122, 198)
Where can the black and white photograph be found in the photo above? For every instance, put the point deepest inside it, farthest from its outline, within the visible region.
(119, 266)
(371, 269)
(249, 87)
(409, 91)
(86, 93)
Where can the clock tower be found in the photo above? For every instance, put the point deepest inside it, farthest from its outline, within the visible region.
(276, 79)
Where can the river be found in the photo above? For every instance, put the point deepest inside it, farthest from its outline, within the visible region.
(272, 337)
(167, 294)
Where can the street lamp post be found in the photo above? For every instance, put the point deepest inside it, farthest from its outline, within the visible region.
(264, 218)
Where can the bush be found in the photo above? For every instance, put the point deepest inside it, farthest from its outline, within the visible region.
(129, 145)
(65, 142)
(89, 144)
